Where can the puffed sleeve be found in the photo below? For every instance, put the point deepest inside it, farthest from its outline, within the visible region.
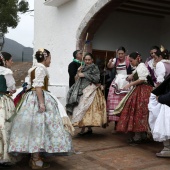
(142, 71)
(10, 82)
(160, 72)
(39, 77)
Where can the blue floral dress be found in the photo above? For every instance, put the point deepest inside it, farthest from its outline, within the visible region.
(33, 131)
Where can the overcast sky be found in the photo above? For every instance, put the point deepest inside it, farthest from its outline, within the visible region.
(24, 32)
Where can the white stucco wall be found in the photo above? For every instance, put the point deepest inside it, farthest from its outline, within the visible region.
(55, 29)
(134, 32)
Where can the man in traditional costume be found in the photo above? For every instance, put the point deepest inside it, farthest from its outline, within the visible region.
(74, 65)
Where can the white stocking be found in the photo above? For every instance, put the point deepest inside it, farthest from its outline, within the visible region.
(35, 157)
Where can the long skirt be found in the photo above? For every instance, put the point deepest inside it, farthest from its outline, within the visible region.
(7, 110)
(33, 131)
(134, 115)
(93, 115)
(113, 100)
(159, 119)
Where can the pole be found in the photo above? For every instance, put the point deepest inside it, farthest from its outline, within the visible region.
(104, 80)
(22, 56)
(84, 46)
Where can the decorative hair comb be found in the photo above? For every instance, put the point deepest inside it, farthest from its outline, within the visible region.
(42, 53)
(1, 57)
(162, 48)
(41, 50)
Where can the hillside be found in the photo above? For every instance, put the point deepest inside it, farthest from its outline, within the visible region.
(19, 52)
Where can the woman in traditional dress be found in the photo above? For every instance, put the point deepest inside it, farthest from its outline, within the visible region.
(162, 69)
(151, 63)
(85, 100)
(133, 108)
(7, 108)
(116, 92)
(159, 105)
(41, 124)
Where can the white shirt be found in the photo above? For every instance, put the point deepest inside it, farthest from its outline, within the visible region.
(142, 71)
(160, 70)
(40, 73)
(8, 75)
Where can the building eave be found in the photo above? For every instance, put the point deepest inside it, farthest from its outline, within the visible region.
(55, 3)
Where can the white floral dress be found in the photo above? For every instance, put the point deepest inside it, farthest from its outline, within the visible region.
(7, 110)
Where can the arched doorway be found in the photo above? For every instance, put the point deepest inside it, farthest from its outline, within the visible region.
(154, 16)
(92, 21)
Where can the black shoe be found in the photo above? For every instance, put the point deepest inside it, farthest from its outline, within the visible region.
(81, 133)
(145, 140)
(6, 165)
(89, 132)
(131, 141)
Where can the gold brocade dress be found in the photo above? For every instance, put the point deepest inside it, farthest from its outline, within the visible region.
(91, 110)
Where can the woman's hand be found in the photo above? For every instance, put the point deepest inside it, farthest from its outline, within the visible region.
(102, 87)
(12, 91)
(130, 77)
(157, 98)
(98, 84)
(127, 87)
(41, 107)
(111, 60)
(80, 74)
(110, 63)
(79, 69)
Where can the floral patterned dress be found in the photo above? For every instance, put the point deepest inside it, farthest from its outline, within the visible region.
(7, 110)
(33, 131)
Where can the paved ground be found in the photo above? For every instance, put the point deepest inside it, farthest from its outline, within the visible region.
(106, 151)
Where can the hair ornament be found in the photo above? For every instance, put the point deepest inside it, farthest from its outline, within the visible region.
(162, 48)
(2, 58)
(41, 50)
(45, 54)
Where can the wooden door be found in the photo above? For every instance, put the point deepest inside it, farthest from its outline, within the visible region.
(100, 56)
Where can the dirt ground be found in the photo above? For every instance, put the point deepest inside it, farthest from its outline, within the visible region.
(20, 70)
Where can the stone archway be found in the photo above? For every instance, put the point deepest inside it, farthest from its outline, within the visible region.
(93, 19)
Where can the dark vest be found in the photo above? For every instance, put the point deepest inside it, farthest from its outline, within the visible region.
(163, 88)
(149, 79)
(3, 86)
(45, 87)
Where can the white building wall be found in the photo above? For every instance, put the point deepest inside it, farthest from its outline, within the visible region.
(55, 29)
(134, 32)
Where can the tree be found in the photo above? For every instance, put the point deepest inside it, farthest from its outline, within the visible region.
(9, 10)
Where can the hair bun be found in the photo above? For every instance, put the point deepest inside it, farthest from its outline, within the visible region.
(41, 54)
